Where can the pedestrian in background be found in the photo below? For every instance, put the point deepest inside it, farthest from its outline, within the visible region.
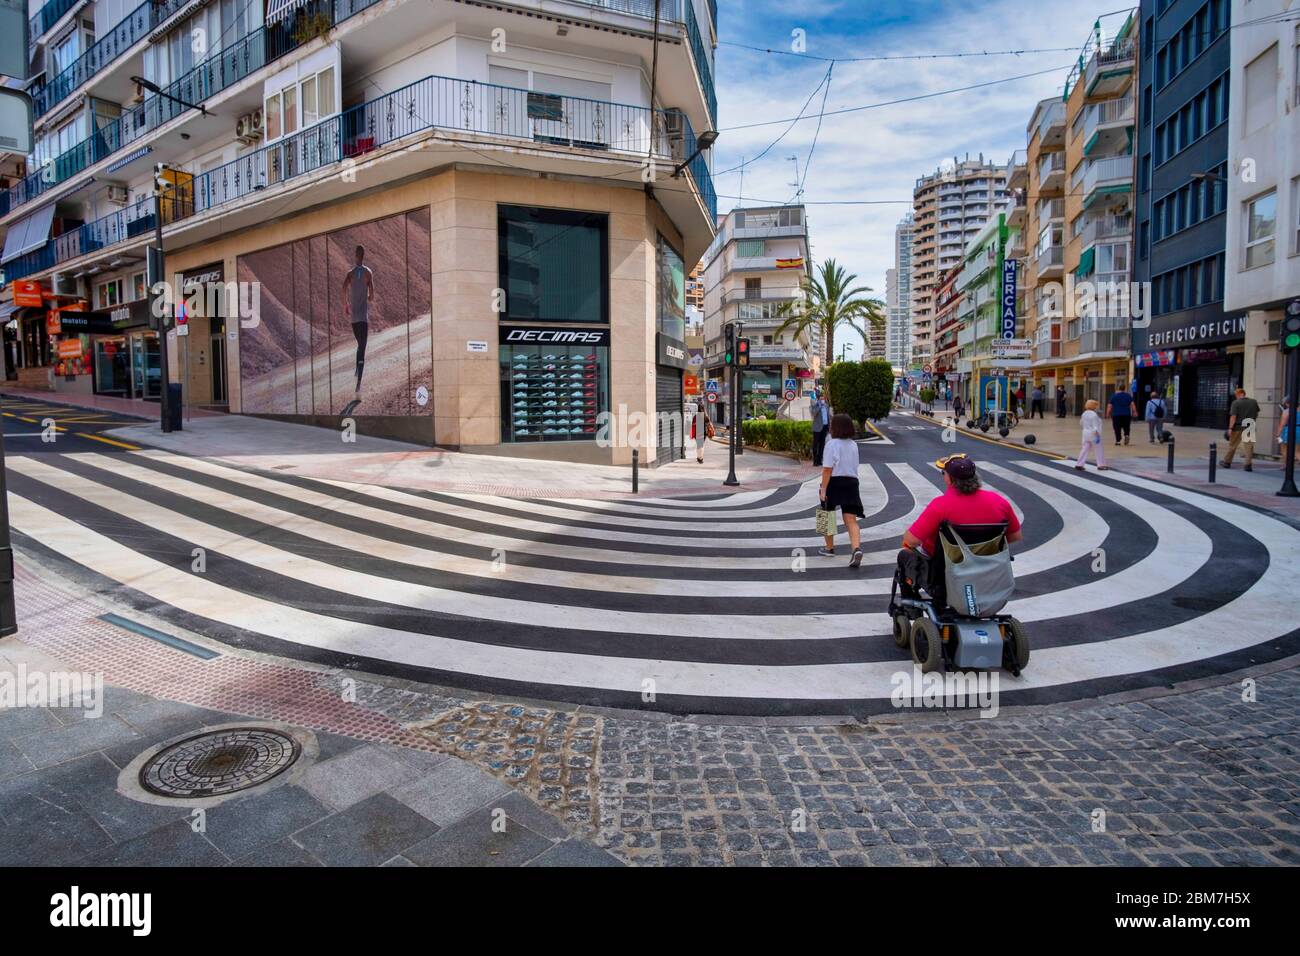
(1090, 423)
(1036, 397)
(1120, 411)
(701, 430)
(1155, 417)
(839, 488)
(1060, 401)
(958, 407)
(1242, 418)
(1286, 430)
(821, 420)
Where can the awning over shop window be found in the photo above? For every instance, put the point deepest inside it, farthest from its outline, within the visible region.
(277, 10)
(29, 233)
(1085, 263)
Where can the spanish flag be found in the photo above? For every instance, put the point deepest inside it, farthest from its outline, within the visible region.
(790, 263)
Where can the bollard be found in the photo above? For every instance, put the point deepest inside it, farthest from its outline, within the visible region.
(636, 464)
(1214, 459)
(1170, 466)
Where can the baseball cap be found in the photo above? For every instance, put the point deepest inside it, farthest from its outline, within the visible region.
(958, 466)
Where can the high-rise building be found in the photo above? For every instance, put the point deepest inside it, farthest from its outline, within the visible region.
(949, 207)
(477, 162)
(898, 325)
(1191, 351)
(754, 274)
(1263, 215)
(1080, 215)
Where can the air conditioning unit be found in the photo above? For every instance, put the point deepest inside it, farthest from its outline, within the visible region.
(248, 128)
(118, 195)
(675, 133)
(64, 284)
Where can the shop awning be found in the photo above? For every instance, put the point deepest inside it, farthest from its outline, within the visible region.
(1085, 263)
(7, 311)
(28, 233)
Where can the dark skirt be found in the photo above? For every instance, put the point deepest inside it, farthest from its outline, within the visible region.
(842, 493)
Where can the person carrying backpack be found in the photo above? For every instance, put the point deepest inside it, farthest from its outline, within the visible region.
(1155, 417)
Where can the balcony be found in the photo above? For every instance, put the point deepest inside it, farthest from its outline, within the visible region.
(1049, 209)
(1051, 173)
(1110, 68)
(1106, 226)
(1050, 262)
(225, 67)
(1051, 125)
(445, 103)
(1018, 170)
(1107, 176)
(1105, 341)
(1107, 126)
(48, 15)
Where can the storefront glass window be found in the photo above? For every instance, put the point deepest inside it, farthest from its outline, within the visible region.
(112, 367)
(671, 292)
(553, 390)
(554, 265)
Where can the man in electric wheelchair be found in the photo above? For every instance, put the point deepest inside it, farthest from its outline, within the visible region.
(954, 575)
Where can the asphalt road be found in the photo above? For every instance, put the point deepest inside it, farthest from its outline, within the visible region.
(43, 427)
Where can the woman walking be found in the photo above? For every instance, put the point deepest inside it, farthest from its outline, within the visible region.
(1090, 423)
(839, 488)
(1286, 431)
(701, 430)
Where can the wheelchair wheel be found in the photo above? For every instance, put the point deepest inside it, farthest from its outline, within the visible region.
(902, 630)
(1015, 650)
(927, 650)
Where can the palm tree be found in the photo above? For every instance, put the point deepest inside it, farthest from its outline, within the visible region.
(830, 300)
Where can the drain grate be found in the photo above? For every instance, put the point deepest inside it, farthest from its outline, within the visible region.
(219, 762)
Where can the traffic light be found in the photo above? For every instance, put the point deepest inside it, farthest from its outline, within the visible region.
(1291, 327)
(729, 344)
(742, 353)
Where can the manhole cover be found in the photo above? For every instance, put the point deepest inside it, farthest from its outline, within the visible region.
(219, 762)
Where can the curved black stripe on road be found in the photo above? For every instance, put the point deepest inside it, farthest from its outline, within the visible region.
(775, 497)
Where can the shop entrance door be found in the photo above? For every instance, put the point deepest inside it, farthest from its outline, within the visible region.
(146, 366)
(218, 356)
(668, 408)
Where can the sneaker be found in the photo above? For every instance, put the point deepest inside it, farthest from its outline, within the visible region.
(551, 404)
(549, 368)
(522, 358)
(521, 365)
(1225, 464)
(550, 358)
(521, 375)
(856, 560)
(1249, 468)
(826, 552)
(1126, 439)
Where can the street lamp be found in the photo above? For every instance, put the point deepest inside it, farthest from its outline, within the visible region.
(159, 91)
(704, 141)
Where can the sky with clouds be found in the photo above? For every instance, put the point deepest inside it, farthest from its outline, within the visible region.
(877, 154)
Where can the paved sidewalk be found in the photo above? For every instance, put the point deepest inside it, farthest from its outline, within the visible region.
(1197, 775)
(367, 793)
(320, 453)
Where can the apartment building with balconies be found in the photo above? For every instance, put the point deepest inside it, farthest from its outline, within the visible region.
(1080, 221)
(949, 308)
(1262, 255)
(525, 178)
(754, 276)
(991, 363)
(1192, 351)
(949, 206)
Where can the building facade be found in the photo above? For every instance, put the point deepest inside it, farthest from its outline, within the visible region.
(989, 366)
(949, 206)
(1079, 302)
(1192, 350)
(754, 275)
(1262, 257)
(898, 317)
(484, 161)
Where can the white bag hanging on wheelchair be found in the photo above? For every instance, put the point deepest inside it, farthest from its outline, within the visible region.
(979, 577)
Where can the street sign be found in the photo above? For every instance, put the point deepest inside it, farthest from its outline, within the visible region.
(712, 385)
(790, 394)
(711, 397)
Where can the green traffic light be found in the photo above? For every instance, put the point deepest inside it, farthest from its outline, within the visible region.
(1292, 340)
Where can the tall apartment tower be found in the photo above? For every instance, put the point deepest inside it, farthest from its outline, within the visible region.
(950, 206)
(306, 141)
(898, 326)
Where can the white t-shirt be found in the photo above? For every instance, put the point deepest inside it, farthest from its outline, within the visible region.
(841, 457)
(1090, 422)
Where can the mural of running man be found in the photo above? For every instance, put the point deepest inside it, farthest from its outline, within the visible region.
(358, 290)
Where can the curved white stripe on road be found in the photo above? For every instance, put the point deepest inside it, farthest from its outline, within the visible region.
(221, 539)
(440, 509)
(1265, 611)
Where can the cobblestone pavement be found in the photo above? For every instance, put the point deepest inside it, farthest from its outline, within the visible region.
(1195, 775)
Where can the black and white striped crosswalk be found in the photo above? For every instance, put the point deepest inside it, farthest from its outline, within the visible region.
(718, 604)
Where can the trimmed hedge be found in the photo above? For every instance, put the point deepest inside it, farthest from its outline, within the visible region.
(779, 435)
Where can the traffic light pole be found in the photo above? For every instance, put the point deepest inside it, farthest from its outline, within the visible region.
(8, 611)
(164, 399)
(1288, 489)
(735, 430)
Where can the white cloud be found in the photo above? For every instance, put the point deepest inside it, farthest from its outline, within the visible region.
(878, 154)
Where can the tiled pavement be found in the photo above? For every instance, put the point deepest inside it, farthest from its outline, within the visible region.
(408, 775)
